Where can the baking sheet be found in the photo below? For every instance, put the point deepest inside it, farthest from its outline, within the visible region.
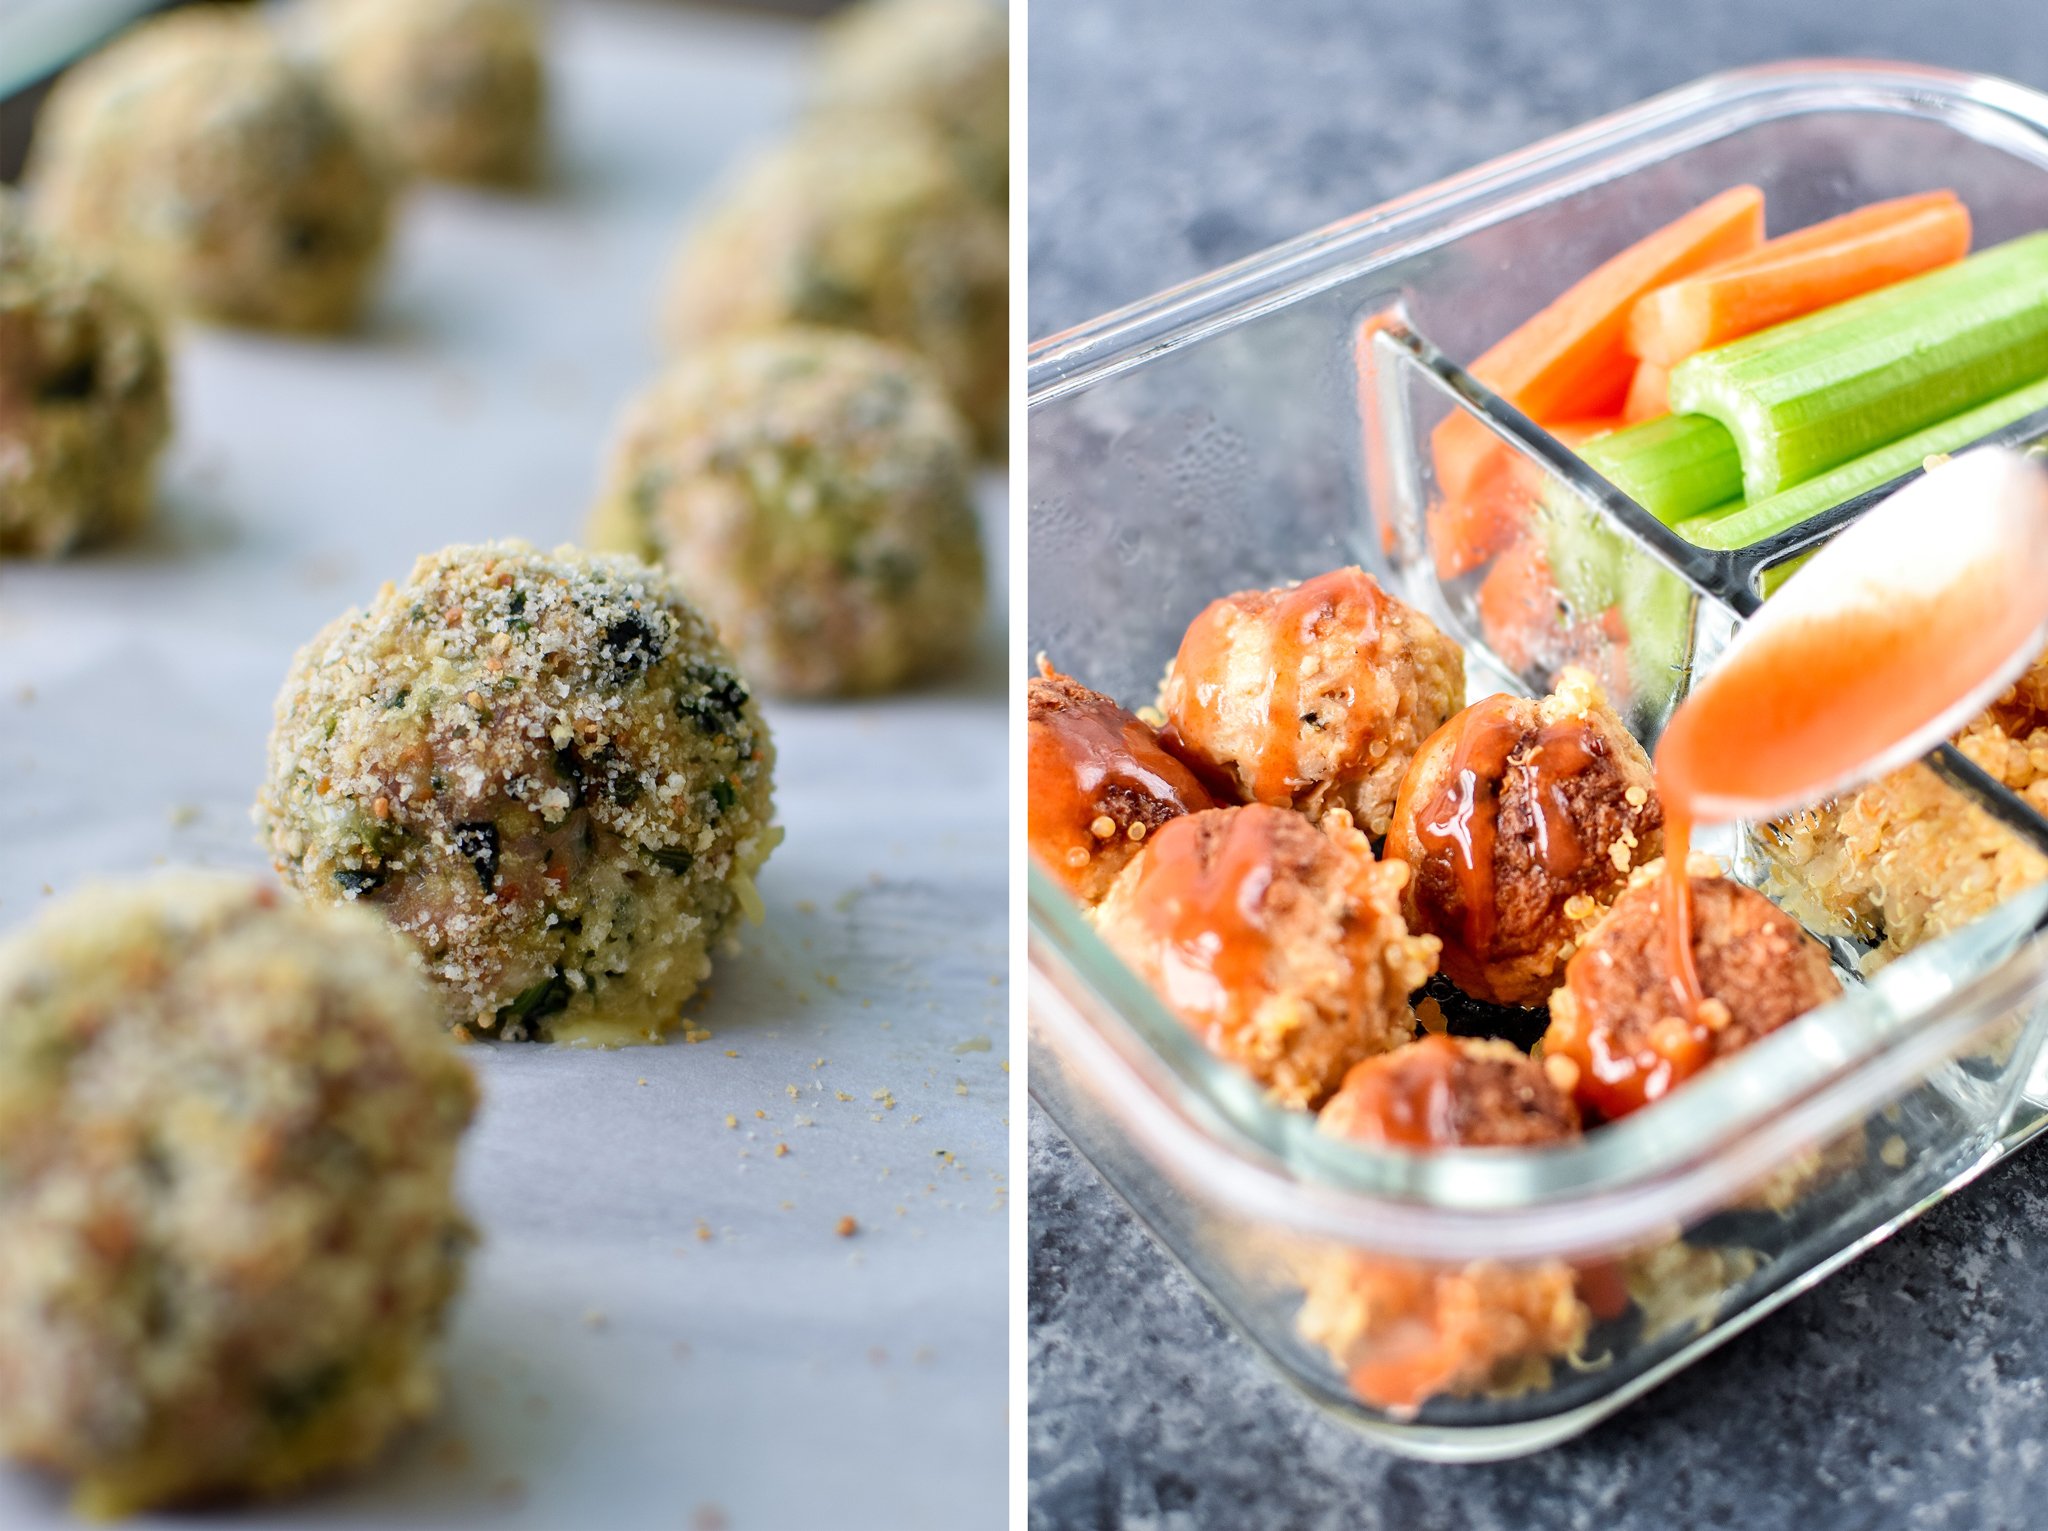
(662, 1327)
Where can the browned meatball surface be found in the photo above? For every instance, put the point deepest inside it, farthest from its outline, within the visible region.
(1450, 1092)
(1099, 783)
(1617, 1040)
(1280, 942)
(1313, 696)
(1521, 818)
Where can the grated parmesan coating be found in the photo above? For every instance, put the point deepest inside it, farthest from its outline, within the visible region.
(455, 89)
(945, 61)
(217, 176)
(228, 1238)
(862, 222)
(543, 770)
(84, 397)
(812, 492)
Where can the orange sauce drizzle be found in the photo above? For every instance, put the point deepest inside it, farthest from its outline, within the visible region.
(1405, 1098)
(1078, 755)
(1212, 918)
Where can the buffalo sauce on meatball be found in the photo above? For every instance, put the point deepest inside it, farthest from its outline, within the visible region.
(1278, 941)
(1099, 783)
(1403, 1331)
(1313, 696)
(1520, 817)
(1618, 1037)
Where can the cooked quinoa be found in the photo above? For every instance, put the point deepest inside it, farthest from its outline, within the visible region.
(228, 1238)
(946, 61)
(84, 397)
(812, 492)
(215, 174)
(1909, 858)
(543, 769)
(863, 223)
(455, 89)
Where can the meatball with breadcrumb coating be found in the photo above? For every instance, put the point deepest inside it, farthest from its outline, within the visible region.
(863, 222)
(1403, 1332)
(84, 397)
(1618, 1038)
(216, 175)
(542, 769)
(812, 492)
(228, 1234)
(945, 61)
(1099, 782)
(1313, 696)
(1278, 941)
(1520, 818)
(454, 89)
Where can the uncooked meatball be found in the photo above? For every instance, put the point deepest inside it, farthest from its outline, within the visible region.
(455, 89)
(215, 174)
(946, 61)
(1520, 818)
(863, 223)
(1403, 1332)
(84, 398)
(544, 770)
(1098, 784)
(228, 1237)
(1280, 942)
(812, 492)
(1617, 1040)
(1313, 696)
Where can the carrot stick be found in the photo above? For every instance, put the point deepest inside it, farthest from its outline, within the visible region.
(1649, 393)
(1519, 609)
(1570, 359)
(1470, 528)
(1798, 273)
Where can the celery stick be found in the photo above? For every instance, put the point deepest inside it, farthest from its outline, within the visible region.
(1674, 466)
(1774, 579)
(1740, 526)
(1816, 392)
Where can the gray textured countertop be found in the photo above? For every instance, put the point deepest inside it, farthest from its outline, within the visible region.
(1169, 136)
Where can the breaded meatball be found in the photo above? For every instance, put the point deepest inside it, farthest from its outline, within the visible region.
(1617, 1040)
(455, 89)
(84, 397)
(1518, 819)
(1098, 784)
(1404, 1332)
(946, 61)
(1280, 942)
(543, 770)
(1313, 696)
(228, 1236)
(214, 174)
(812, 492)
(863, 223)
(1450, 1092)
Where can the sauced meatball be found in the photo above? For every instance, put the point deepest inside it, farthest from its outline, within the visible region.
(812, 491)
(214, 174)
(1617, 1038)
(1313, 696)
(84, 397)
(1279, 942)
(1403, 1332)
(228, 1233)
(1099, 783)
(1519, 818)
(543, 769)
(451, 88)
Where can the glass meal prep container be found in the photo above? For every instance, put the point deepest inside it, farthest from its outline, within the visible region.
(1272, 421)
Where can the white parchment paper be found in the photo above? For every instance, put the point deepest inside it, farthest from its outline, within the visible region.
(662, 1328)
